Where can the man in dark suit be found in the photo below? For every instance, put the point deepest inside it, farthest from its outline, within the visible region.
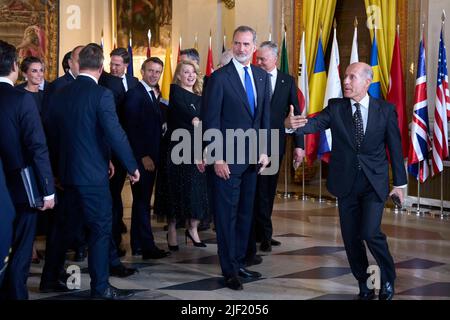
(361, 128)
(119, 83)
(7, 214)
(237, 98)
(23, 144)
(143, 125)
(283, 95)
(85, 127)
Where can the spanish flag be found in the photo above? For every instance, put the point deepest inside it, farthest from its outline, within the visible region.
(317, 87)
(375, 87)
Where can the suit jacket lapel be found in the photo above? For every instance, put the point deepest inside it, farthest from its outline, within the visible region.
(372, 118)
(236, 83)
(260, 89)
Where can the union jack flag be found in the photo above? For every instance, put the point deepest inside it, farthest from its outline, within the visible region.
(440, 131)
(420, 138)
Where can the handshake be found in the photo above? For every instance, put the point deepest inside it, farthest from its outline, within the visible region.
(294, 122)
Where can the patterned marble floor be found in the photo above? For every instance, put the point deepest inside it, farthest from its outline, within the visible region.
(310, 264)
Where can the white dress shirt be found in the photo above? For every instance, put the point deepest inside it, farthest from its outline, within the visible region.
(89, 76)
(273, 78)
(240, 70)
(124, 81)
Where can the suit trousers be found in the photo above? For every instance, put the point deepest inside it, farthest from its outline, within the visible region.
(233, 209)
(262, 230)
(116, 185)
(360, 215)
(141, 235)
(16, 274)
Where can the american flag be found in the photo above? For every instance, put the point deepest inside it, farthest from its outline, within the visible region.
(440, 131)
(420, 138)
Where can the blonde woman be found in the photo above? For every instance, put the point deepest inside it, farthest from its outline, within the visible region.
(187, 185)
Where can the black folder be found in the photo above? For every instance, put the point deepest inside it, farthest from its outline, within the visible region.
(35, 197)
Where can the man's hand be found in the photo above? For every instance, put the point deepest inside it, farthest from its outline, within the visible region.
(111, 170)
(195, 122)
(263, 161)
(298, 156)
(201, 165)
(398, 192)
(222, 170)
(135, 177)
(148, 164)
(293, 122)
(48, 204)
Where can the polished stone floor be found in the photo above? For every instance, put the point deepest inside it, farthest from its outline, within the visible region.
(310, 264)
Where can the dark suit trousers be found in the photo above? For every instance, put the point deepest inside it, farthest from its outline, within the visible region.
(68, 217)
(262, 230)
(360, 214)
(116, 185)
(141, 229)
(233, 209)
(16, 274)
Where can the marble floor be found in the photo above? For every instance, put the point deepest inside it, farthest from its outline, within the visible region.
(310, 264)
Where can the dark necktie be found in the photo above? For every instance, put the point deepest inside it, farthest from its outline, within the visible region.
(270, 84)
(249, 91)
(359, 126)
(152, 94)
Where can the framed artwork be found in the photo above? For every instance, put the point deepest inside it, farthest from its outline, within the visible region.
(33, 27)
(138, 17)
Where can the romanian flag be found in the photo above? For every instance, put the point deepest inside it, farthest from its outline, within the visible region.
(317, 87)
(167, 76)
(375, 87)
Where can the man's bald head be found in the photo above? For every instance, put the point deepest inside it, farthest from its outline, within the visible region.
(357, 79)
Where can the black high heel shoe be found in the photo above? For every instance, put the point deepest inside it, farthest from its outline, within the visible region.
(200, 244)
(171, 248)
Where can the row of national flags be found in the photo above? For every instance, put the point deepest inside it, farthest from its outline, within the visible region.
(417, 147)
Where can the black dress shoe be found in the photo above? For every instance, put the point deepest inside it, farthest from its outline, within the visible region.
(58, 286)
(386, 291)
(233, 283)
(112, 293)
(366, 295)
(253, 261)
(121, 271)
(266, 246)
(155, 254)
(247, 274)
(275, 243)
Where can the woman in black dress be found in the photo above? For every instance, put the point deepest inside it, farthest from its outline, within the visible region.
(33, 71)
(187, 185)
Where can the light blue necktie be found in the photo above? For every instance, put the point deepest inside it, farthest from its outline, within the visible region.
(249, 90)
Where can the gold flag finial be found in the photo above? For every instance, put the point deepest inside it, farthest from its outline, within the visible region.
(356, 22)
(334, 23)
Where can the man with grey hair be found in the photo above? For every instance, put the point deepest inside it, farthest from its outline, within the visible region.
(362, 127)
(237, 98)
(283, 95)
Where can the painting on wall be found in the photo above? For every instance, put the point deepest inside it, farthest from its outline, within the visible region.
(138, 17)
(32, 26)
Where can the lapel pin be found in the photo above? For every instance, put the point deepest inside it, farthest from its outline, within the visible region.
(193, 106)
(282, 81)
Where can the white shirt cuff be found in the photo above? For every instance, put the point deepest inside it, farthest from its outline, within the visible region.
(289, 131)
(401, 187)
(50, 197)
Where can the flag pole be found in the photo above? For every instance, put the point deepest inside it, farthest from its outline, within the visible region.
(320, 200)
